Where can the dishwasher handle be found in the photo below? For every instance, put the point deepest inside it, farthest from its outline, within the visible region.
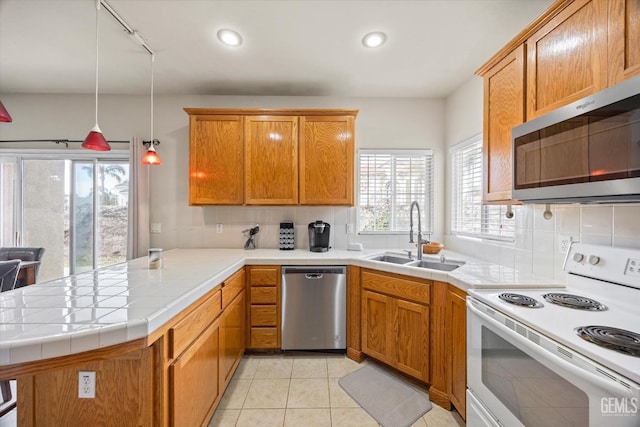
(314, 276)
(313, 270)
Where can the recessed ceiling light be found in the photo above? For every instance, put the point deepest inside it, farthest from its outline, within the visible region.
(229, 37)
(374, 39)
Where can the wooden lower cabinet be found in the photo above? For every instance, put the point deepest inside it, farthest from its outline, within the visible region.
(395, 321)
(174, 377)
(376, 326)
(411, 338)
(263, 307)
(232, 336)
(448, 347)
(194, 380)
(124, 393)
(456, 329)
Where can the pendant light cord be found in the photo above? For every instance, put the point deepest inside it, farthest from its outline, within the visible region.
(153, 59)
(97, 21)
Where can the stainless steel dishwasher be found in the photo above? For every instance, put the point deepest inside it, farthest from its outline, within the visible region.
(314, 308)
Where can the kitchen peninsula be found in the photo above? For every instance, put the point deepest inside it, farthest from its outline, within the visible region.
(148, 334)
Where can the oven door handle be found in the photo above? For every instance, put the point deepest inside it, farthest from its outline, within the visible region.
(617, 389)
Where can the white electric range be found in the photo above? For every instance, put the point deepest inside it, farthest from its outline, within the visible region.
(568, 356)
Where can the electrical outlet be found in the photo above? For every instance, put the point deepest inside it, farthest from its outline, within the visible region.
(633, 267)
(87, 385)
(564, 241)
(218, 228)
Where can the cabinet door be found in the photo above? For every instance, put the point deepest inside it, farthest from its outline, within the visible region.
(457, 355)
(567, 58)
(216, 153)
(624, 34)
(232, 333)
(377, 326)
(326, 160)
(271, 160)
(411, 338)
(503, 109)
(194, 380)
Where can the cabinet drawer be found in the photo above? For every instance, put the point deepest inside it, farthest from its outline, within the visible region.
(264, 338)
(264, 295)
(267, 276)
(232, 287)
(397, 285)
(185, 331)
(264, 315)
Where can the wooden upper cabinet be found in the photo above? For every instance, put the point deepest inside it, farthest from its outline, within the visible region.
(216, 150)
(271, 157)
(624, 37)
(271, 160)
(567, 57)
(326, 160)
(574, 49)
(503, 109)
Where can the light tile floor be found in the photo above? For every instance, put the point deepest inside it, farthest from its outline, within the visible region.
(301, 390)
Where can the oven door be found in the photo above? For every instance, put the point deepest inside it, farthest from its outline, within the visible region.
(522, 378)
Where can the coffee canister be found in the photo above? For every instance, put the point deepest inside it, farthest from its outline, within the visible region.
(155, 258)
(287, 236)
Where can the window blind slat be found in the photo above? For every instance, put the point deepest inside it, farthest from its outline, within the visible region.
(468, 216)
(389, 181)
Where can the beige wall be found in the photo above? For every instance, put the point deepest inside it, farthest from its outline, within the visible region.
(381, 123)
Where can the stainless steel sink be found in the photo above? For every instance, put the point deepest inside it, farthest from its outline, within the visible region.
(437, 265)
(394, 259)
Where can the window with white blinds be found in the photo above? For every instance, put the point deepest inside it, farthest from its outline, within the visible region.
(469, 217)
(389, 181)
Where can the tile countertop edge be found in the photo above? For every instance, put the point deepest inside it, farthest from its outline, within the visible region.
(474, 274)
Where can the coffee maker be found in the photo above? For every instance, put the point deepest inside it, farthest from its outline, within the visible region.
(319, 232)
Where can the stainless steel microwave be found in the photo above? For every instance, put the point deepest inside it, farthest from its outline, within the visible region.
(587, 151)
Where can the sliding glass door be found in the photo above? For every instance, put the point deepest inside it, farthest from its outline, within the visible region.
(76, 208)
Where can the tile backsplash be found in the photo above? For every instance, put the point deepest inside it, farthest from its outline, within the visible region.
(536, 249)
(235, 219)
(537, 246)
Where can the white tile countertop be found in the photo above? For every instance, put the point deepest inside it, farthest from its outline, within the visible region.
(128, 301)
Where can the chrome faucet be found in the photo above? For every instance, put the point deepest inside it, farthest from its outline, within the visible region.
(420, 241)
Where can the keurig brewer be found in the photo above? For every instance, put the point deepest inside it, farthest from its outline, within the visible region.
(319, 232)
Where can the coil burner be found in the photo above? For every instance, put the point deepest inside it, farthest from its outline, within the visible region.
(616, 339)
(574, 301)
(520, 300)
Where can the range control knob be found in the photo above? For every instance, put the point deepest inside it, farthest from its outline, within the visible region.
(593, 259)
(577, 257)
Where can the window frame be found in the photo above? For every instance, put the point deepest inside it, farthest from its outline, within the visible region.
(486, 210)
(426, 222)
(19, 156)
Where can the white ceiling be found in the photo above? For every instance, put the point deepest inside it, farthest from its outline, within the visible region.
(291, 47)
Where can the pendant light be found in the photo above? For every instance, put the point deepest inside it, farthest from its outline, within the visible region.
(151, 157)
(95, 140)
(4, 114)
